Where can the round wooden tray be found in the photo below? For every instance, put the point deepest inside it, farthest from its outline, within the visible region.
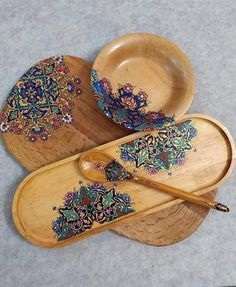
(89, 129)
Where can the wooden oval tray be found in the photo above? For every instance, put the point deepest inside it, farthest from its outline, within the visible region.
(38, 203)
(142, 81)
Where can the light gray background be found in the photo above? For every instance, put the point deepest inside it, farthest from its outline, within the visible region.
(205, 30)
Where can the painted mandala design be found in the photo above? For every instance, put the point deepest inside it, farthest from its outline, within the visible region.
(42, 100)
(114, 171)
(125, 107)
(168, 148)
(91, 203)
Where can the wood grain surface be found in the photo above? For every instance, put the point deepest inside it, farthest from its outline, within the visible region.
(90, 129)
(168, 226)
(203, 171)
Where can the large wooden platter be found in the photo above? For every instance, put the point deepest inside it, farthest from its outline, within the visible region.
(45, 188)
(88, 129)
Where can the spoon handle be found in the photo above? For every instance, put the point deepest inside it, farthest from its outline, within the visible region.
(197, 199)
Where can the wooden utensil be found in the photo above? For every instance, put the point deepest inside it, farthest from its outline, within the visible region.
(142, 81)
(35, 199)
(99, 166)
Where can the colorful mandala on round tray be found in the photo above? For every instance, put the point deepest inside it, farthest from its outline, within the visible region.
(41, 101)
(126, 107)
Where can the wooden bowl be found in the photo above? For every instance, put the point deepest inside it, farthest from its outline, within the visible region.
(142, 81)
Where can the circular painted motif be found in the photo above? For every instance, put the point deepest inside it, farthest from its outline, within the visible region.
(41, 101)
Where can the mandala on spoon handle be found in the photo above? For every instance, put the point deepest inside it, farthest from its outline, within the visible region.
(41, 101)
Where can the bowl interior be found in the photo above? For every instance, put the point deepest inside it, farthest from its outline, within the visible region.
(152, 64)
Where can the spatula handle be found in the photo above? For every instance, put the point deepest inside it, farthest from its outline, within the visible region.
(197, 199)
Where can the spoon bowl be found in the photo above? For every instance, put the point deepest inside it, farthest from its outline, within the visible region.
(91, 165)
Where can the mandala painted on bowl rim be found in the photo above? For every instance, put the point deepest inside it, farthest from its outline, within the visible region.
(41, 101)
(161, 152)
(126, 107)
(91, 203)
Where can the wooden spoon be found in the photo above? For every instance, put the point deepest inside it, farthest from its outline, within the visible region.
(101, 167)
